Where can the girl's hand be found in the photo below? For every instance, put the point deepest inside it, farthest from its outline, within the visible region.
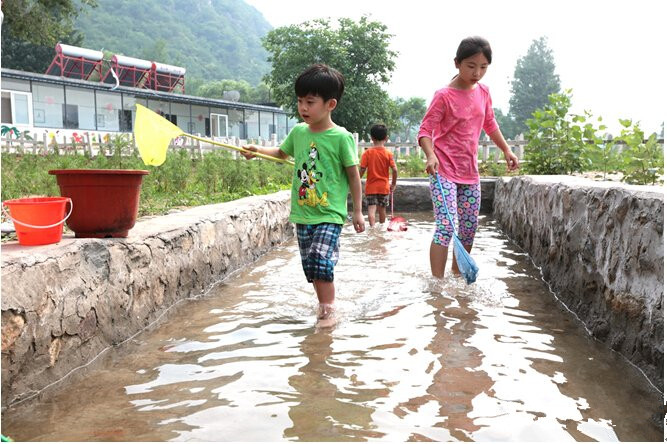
(432, 164)
(249, 148)
(512, 161)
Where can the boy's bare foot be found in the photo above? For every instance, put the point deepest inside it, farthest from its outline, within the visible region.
(325, 316)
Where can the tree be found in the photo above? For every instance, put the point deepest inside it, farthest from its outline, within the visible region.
(359, 50)
(156, 52)
(410, 114)
(31, 29)
(534, 80)
(224, 89)
(506, 124)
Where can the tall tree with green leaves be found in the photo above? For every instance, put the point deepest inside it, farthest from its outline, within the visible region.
(31, 29)
(534, 80)
(505, 122)
(225, 89)
(358, 49)
(410, 114)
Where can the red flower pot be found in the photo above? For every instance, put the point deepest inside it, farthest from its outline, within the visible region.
(105, 202)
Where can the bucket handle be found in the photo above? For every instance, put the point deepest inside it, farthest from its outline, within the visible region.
(71, 207)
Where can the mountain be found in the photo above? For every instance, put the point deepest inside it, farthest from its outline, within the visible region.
(212, 39)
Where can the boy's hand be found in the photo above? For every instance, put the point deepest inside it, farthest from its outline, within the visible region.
(392, 187)
(432, 164)
(358, 221)
(249, 148)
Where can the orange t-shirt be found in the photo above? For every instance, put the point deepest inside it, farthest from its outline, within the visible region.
(377, 160)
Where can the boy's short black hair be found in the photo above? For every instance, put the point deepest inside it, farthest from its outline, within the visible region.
(320, 80)
(378, 132)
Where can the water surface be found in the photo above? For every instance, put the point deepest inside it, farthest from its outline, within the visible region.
(411, 359)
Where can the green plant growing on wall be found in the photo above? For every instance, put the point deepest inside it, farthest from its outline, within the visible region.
(642, 161)
(604, 155)
(559, 141)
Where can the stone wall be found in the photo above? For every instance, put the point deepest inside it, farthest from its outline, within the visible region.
(600, 246)
(62, 304)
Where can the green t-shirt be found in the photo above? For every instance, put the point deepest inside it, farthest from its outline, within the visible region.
(320, 186)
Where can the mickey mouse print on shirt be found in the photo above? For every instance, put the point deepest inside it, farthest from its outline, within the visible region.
(309, 176)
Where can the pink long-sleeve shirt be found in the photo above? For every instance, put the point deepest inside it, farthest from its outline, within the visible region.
(454, 121)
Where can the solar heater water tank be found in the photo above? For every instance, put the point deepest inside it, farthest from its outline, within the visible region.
(75, 51)
(169, 69)
(131, 62)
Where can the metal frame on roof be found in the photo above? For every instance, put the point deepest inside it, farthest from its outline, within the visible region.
(74, 62)
(138, 92)
(163, 77)
(128, 70)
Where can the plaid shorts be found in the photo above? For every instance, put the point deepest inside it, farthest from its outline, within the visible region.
(318, 245)
(377, 199)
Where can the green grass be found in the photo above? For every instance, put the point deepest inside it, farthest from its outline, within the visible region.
(179, 182)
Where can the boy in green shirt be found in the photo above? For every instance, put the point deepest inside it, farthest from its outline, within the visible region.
(325, 167)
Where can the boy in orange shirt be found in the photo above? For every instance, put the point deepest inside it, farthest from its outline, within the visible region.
(377, 160)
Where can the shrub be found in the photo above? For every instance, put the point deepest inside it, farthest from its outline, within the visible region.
(641, 162)
(557, 143)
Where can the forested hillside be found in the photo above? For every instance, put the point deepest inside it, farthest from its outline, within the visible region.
(212, 39)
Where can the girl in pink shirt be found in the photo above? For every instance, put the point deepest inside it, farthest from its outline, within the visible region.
(448, 135)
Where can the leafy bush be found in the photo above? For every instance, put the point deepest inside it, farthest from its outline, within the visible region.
(558, 141)
(563, 143)
(641, 162)
(411, 166)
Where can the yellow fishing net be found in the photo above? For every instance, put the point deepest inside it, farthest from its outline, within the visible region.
(152, 134)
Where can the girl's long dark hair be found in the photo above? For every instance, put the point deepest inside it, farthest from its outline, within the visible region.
(471, 46)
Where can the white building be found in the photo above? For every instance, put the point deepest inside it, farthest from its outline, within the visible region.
(42, 103)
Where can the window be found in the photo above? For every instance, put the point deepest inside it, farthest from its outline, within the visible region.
(109, 112)
(218, 125)
(127, 117)
(70, 116)
(181, 111)
(79, 113)
(48, 101)
(281, 120)
(266, 127)
(291, 122)
(252, 124)
(159, 107)
(16, 108)
(235, 123)
(199, 120)
(126, 120)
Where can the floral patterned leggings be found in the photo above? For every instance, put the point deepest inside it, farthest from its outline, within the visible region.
(462, 200)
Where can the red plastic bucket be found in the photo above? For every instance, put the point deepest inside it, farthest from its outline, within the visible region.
(38, 220)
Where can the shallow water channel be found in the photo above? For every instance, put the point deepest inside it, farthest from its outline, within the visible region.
(411, 358)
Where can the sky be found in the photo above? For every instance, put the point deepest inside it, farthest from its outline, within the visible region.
(610, 53)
